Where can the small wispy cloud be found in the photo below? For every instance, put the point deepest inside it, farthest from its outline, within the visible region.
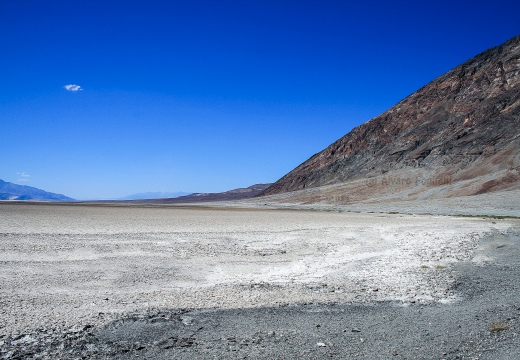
(73, 87)
(23, 176)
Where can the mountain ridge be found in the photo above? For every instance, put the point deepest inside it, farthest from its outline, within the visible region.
(11, 191)
(234, 194)
(154, 195)
(460, 126)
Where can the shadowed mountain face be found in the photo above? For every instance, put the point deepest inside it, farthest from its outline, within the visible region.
(462, 128)
(10, 191)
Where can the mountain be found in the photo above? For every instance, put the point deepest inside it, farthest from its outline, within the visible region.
(235, 194)
(154, 195)
(458, 135)
(10, 191)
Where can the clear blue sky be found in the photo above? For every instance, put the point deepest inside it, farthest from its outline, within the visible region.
(206, 96)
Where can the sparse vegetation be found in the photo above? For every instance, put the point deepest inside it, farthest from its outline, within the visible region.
(498, 326)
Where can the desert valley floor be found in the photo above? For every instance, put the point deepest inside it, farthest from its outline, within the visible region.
(194, 282)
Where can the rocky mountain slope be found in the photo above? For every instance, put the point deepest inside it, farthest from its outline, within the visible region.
(458, 135)
(10, 191)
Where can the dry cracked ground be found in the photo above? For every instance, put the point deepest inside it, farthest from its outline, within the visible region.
(80, 281)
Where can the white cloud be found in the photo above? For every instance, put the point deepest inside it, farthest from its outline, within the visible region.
(23, 176)
(73, 87)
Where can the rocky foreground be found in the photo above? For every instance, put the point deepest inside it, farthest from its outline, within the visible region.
(484, 324)
(121, 282)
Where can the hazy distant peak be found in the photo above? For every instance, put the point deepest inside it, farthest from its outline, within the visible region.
(10, 191)
(154, 195)
(235, 194)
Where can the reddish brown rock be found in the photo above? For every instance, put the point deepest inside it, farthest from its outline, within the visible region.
(463, 125)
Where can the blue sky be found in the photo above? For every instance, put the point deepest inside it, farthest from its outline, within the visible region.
(206, 96)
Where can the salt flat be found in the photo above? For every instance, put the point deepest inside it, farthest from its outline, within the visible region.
(84, 264)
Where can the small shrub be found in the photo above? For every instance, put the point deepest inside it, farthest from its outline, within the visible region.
(498, 326)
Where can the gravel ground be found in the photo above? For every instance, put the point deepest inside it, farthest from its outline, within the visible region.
(162, 282)
(502, 203)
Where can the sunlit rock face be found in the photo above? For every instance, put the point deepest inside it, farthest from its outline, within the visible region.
(463, 127)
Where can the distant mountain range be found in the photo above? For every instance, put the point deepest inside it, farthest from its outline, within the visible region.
(154, 195)
(235, 194)
(10, 191)
(457, 136)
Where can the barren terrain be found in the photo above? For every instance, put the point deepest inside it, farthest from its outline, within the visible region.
(77, 269)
